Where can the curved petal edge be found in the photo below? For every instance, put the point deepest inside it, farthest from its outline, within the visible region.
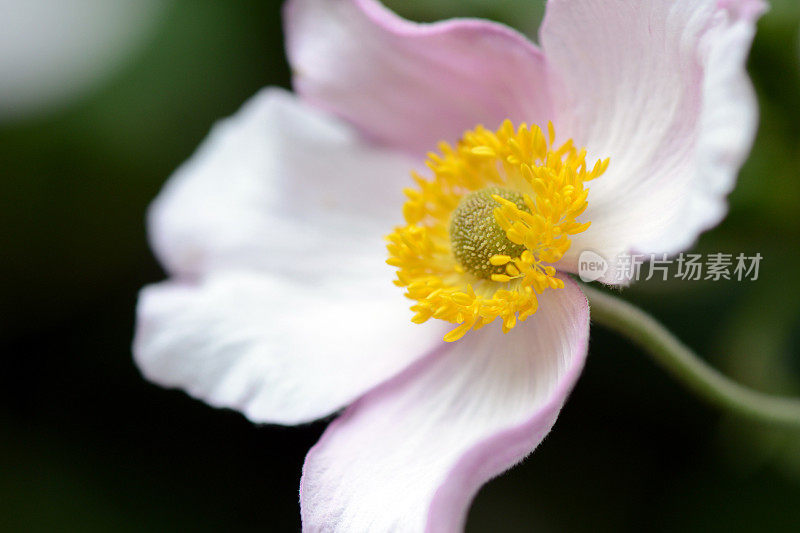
(412, 454)
(411, 85)
(661, 88)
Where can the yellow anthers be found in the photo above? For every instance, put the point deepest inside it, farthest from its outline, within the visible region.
(482, 229)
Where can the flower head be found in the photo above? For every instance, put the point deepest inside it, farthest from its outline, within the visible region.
(622, 133)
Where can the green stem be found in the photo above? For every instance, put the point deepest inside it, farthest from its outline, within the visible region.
(669, 352)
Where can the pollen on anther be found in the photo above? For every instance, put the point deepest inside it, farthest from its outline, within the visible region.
(482, 232)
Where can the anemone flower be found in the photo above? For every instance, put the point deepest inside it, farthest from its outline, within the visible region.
(623, 132)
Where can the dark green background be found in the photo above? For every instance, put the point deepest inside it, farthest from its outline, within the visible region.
(87, 444)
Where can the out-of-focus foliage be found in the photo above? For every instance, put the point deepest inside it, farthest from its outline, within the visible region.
(54, 51)
(89, 445)
(524, 15)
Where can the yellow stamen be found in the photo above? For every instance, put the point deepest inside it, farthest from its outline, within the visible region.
(461, 266)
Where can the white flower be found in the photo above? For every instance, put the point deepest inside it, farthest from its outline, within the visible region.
(280, 304)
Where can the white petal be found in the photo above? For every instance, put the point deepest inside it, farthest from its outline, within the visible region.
(286, 310)
(282, 188)
(276, 350)
(412, 85)
(660, 87)
(411, 455)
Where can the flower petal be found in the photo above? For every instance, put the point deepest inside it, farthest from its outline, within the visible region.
(660, 87)
(286, 309)
(412, 85)
(411, 455)
(282, 188)
(277, 350)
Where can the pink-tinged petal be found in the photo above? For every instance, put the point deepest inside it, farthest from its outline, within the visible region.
(282, 188)
(661, 88)
(284, 306)
(412, 85)
(411, 455)
(277, 350)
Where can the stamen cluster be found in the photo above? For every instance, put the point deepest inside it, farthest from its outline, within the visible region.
(539, 192)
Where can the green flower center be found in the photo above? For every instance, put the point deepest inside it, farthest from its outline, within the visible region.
(476, 236)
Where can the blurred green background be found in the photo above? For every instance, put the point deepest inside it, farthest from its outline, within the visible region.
(88, 445)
